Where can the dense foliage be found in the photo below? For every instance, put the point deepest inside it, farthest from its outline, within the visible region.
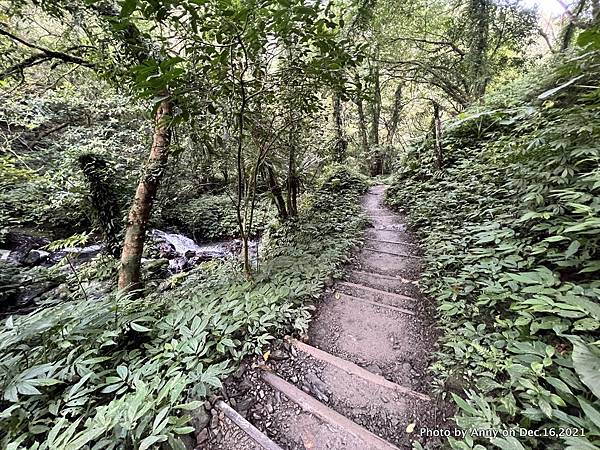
(117, 371)
(510, 231)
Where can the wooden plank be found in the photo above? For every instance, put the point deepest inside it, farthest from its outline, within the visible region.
(381, 241)
(384, 277)
(401, 255)
(381, 305)
(355, 370)
(377, 291)
(254, 433)
(326, 414)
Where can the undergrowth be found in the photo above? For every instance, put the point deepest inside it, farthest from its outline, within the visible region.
(511, 229)
(121, 373)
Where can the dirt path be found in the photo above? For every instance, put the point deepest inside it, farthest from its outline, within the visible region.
(359, 381)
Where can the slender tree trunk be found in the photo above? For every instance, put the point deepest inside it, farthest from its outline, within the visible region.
(137, 220)
(395, 114)
(362, 121)
(276, 192)
(437, 136)
(375, 107)
(292, 184)
(479, 15)
(569, 29)
(362, 127)
(341, 144)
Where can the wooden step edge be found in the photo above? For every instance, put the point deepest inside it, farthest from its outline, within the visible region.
(378, 304)
(326, 414)
(355, 370)
(384, 277)
(401, 255)
(254, 433)
(383, 241)
(377, 291)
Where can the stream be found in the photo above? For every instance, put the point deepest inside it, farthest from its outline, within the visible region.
(22, 288)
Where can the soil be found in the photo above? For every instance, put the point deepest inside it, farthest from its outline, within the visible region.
(377, 319)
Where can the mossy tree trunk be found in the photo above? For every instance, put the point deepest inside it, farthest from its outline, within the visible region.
(139, 213)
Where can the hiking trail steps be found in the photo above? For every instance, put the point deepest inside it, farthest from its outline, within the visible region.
(360, 380)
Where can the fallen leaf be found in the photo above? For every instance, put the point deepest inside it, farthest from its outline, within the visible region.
(266, 355)
(411, 427)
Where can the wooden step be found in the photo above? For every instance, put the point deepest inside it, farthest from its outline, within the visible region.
(254, 433)
(355, 370)
(384, 252)
(384, 277)
(383, 241)
(377, 292)
(312, 406)
(374, 303)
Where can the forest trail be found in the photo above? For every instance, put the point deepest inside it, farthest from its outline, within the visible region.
(360, 381)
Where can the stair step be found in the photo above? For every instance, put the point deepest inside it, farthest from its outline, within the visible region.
(383, 241)
(254, 433)
(368, 440)
(377, 304)
(378, 293)
(384, 277)
(355, 370)
(385, 252)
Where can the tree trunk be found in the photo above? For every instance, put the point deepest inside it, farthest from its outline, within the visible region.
(341, 144)
(375, 107)
(292, 185)
(569, 31)
(437, 136)
(276, 192)
(395, 115)
(129, 272)
(479, 16)
(362, 121)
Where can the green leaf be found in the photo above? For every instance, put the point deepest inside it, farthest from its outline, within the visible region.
(122, 372)
(551, 92)
(150, 440)
(591, 412)
(140, 328)
(586, 363)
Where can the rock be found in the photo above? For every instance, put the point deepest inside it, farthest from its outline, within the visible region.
(214, 422)
(35, 257)
(315, 381)
(239, 373)
(156, 268)
(4, 254)
(207, 405)
(202, 436)
(244, 405)
(374, 368)
(28, 294)
(200, 418)
(279, 355)
(406, 367)
(95, 289)
(188, 441)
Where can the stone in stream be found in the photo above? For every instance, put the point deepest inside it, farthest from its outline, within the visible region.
(35, 257)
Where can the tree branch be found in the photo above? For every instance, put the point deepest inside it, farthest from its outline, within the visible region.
(44, 55)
